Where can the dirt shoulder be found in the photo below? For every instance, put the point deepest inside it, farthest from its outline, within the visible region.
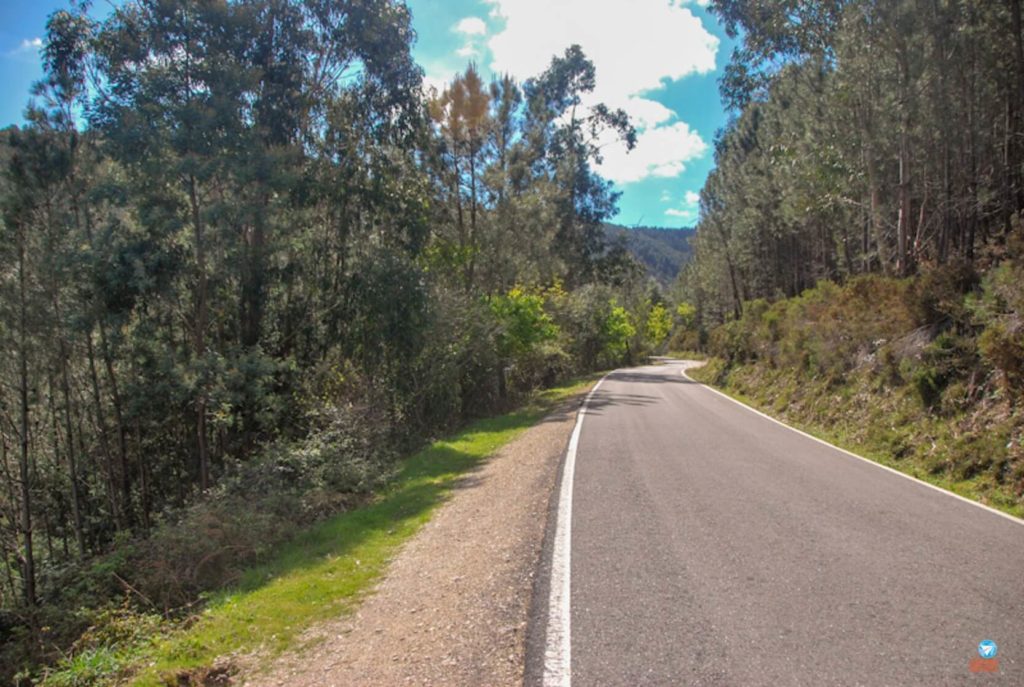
(452, 608)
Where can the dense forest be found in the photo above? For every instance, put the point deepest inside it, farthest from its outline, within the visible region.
(247, 262)
(662, 252)
(859, 261)
(866, 138)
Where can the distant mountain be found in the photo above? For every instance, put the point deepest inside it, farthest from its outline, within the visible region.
(662, 251)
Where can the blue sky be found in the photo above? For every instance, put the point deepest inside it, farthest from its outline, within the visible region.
(658, 59)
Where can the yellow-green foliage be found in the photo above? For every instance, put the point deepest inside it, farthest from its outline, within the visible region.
(524, 323)
(659, 325)
(618, 329)
(687, 314)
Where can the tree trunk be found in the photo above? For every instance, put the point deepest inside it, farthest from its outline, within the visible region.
(904, 210)
(65, 389)
(28, 563)
(199, 333)
(123, 473)
(101, 427)
(1018, 54)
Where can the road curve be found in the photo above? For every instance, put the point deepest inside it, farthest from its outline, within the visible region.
(712, 546)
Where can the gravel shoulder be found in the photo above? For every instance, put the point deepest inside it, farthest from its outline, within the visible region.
(453, 607)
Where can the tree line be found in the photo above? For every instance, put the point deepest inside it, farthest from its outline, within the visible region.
(237, 236)
(866, 136)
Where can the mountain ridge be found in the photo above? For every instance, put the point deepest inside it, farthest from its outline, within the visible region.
(662, 251)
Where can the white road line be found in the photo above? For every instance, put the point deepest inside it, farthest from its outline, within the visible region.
(1000, 513)
(558, 649)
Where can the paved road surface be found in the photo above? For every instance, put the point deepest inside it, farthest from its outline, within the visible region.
(712, 546)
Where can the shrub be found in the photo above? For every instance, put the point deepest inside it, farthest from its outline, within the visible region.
(527, 339)
(947, 358)
(1002, 347)
(938, 294)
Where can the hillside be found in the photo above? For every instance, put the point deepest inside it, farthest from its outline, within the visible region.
(922, 374)
(663, 252)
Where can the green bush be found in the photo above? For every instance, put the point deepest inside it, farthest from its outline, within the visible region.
(528, 341)
(658, 325)
(598, 330)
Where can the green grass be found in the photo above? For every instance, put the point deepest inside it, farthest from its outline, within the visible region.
(870, 433)
(324, 570)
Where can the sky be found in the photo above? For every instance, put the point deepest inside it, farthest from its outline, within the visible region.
(659, 60)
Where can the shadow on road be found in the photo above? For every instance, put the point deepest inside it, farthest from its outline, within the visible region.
(668, 377)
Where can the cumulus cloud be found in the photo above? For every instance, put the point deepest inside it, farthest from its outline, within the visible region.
(471, 26)
(472, 30)
(688, 210)
(635, 49)
(661, 151)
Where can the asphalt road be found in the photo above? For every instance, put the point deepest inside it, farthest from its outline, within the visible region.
(712, 546)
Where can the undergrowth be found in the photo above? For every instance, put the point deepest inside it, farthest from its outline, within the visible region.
(321, 572)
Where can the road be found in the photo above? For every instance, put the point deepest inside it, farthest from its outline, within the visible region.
(712, 546)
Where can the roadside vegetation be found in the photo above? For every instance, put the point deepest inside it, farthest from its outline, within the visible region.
(319, 573)
(921, 374)
(249, 261)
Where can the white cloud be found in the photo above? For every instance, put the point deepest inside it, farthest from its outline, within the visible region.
(635, 50)
(27, 46)
(471, 26)
(681, 214)
(440, 74)
(689, 208)
(472, 29)
(661, 151)
(665, 197)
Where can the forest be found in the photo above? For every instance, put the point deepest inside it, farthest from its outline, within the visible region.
(866, 138)
(248, 261)
(858, 266)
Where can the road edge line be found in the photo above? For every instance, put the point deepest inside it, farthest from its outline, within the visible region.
(558, 634)
(947, 492)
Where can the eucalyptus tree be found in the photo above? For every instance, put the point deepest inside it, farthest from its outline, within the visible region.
(564, 135)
